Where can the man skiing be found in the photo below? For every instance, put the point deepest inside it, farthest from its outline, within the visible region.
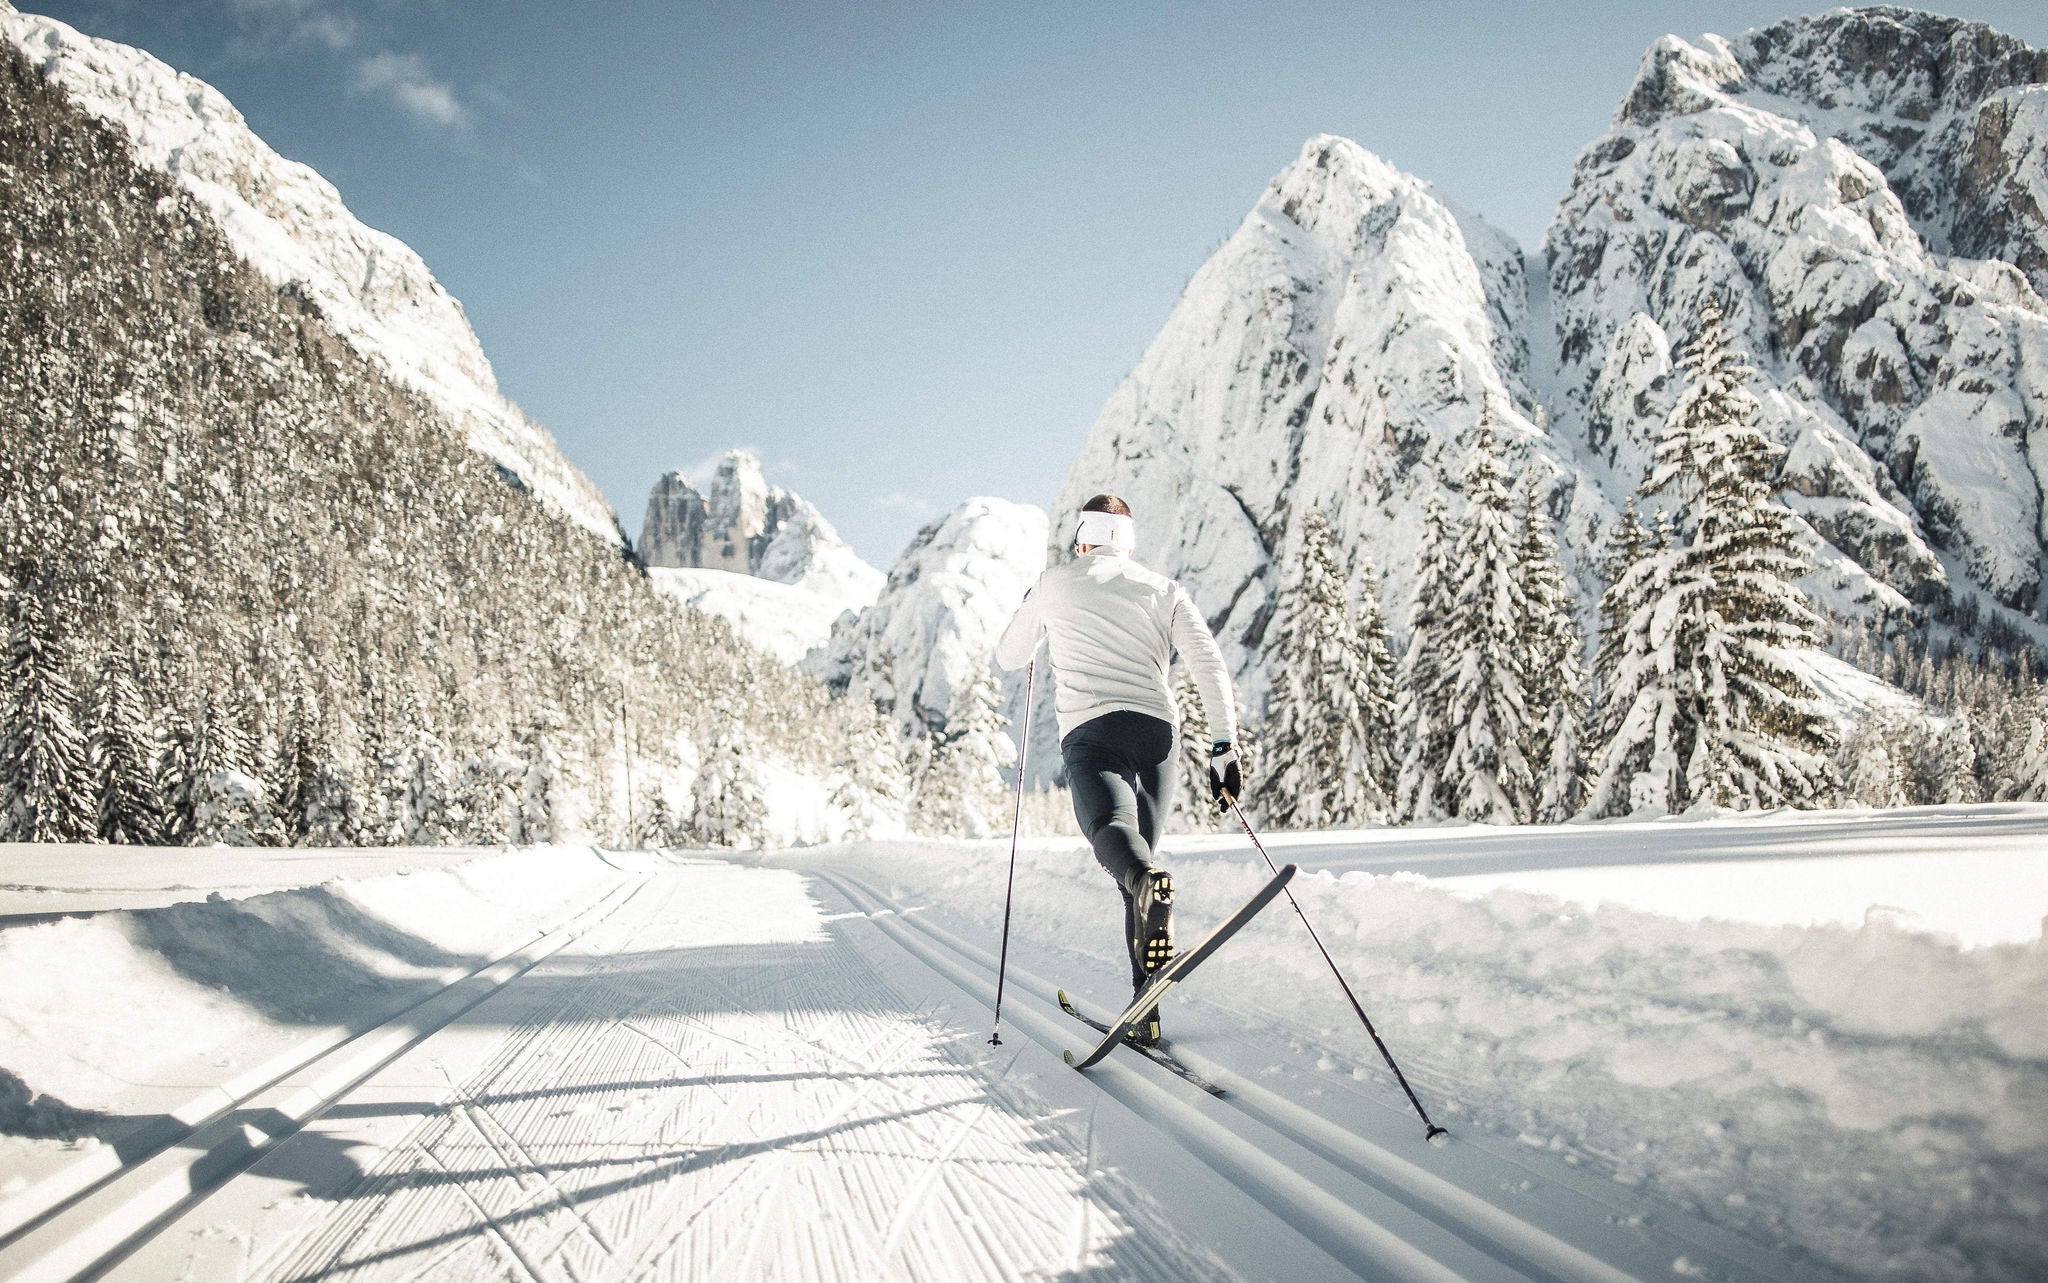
(1111, 627)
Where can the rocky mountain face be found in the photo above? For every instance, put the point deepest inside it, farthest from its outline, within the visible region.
(740, 523)
(946, 601)
(290, 224)
(1863, 191)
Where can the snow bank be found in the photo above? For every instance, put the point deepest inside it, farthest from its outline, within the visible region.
(117, 1017)
(1871, 1094)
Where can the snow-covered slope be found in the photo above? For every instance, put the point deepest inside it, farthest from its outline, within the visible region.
(1335, 353)
(1862, 190)
(948, 596)
(291, 225)
(785, 620)
(739, 523)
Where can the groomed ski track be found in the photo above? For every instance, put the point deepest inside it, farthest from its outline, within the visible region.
(737, 1072)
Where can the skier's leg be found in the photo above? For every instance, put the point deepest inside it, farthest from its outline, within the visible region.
(1105, 804)
(1151, 743)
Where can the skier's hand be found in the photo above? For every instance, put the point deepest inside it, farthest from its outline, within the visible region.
(1226, 774)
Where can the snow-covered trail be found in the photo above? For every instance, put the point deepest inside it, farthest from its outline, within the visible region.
(755, 1073)
(725, 1081)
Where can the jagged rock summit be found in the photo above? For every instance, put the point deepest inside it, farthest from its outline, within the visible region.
(1863, 191)
(741, 524)
(290, 224)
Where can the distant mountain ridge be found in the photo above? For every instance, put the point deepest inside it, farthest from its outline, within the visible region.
(740, 523)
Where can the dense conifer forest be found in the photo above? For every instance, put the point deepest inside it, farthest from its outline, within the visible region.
(255, 590)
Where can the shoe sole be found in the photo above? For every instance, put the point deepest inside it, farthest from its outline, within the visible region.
(1157, 947)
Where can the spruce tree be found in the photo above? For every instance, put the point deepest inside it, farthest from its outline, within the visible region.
(424, 816)
(122, 750)
(1957, 752)
(869, 783)
(1328, 709)
(45, 788)
(1422, 707)
(1550, 667)
(2029, 780)
(1485, 775)
(536, 823)
(728, 807)
(1707, 703)
(963, 793)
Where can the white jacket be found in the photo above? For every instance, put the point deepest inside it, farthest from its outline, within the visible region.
(1112, 626)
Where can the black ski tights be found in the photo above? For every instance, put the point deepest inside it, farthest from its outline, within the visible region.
(1120, 772)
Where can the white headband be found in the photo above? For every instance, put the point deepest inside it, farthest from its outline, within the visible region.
(1108, 528)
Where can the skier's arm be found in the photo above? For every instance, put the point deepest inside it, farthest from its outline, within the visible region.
(1198, 650)
(1019, 641)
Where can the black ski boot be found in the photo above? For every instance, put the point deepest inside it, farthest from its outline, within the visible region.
(1152, 919)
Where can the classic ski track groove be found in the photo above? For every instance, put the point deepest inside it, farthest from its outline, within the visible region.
(636, 1122)
(1516, 1243)
(84, 1214)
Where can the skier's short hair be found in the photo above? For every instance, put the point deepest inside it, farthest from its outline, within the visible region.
(1107, 503)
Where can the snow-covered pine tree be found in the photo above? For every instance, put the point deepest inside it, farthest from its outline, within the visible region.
(1193, 810)
(1551, 671)
(963, 793)
(483, 807)
(1485, 775)
(657, 821)
(122, 750)
(1957, 754)
(1422, 691)
(2029, 780)
(45, 788)
(1714, 710)
(869, 783)
(729, 809)
(424, 806)
(535, 822)
(1328, 707)
(1873, 772)
(295, 771)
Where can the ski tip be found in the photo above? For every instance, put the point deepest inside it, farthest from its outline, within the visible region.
(1437, 1136)
(1287, 872)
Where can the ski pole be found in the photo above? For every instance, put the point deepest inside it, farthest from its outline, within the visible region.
(995, 1037)
(1433, 1131)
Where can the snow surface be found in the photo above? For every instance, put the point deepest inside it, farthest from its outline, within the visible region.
(1738, 1023)
(741, 1072)
(785, 620)
(290, 224)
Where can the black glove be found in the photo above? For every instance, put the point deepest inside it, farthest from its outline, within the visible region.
(1226, 774)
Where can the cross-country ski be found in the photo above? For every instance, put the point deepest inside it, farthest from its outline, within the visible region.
(1173, 972)
(1160, 1053)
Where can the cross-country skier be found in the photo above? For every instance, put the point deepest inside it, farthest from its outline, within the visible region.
(1111, 627)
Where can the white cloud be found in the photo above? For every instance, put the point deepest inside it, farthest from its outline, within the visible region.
(269, 25)
(403, 80)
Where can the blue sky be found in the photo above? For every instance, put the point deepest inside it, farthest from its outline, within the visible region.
(904, 250)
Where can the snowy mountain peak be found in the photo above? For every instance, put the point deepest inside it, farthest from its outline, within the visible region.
(948, 597)
(291, 225)
(1335, 354)
(739, 523)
